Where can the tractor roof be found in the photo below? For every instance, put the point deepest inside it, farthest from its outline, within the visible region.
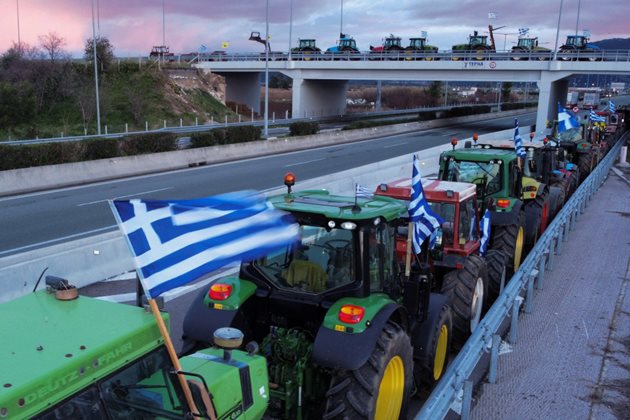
(322, 203)
(481, 155)
(51, 348)
(434, 190)
(509, 144)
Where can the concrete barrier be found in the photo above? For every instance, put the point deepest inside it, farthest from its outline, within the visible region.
(90, 260)
(19, 181)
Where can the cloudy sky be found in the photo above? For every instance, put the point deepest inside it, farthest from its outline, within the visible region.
(134, 26)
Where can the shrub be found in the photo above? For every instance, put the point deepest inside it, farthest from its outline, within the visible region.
(426, 116)
(208, 138)
(148, 143)
(303, 128)
(242, 133)
(100, 149)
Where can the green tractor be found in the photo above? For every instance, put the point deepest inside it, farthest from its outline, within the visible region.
(84, 358)
(345, 333)
(527, 46)
(503, 190)
(477, 47)
(419, 49)
(458, 269)
(305, 48)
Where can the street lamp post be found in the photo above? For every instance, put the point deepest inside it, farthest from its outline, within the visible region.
(266, 122)
(17, 6)
(290, 26)
(555, 48)
(577, 20)
(341, 21)
(98, 109)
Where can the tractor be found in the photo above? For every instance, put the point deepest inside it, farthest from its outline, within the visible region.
(161, 53)
(577, 47)
(503, 190)
(305, 48)
(345, 332)
(477, 46)
(346, 46)
(418, 47)
(85, 358)
(390, 50)
(528, 47)
(458, 270)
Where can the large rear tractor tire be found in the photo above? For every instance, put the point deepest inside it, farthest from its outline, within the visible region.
(380, 388)
(510, 239)
(467, 290)
(585, 163)
(537, 217)
(497, 274)
(564, 188)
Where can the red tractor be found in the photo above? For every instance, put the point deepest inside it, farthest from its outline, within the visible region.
(390, 50)
(459, 271)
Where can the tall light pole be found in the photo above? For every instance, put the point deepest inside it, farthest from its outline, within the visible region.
(266, 122)
(555, 48)
(341, 22)
(98, 18)
(163, 25)
(17, 6)
(98, 108)
(577, 20)
(290, 26)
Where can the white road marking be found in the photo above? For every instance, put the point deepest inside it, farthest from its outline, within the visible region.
(61, 239)
(585, 330)
(124, 196)
(394, 145)
(303, 163)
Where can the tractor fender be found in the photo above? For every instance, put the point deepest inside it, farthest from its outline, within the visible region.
(505, 218)
(341, 350)
(424, 334)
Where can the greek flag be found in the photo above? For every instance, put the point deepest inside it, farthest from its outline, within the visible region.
(566, 121)
(485, 233)
(523, 31)
(175, 242)
(518, 142)
(423, 34)
(203, 48)
(611, 106)
(594, 117)
(362, 192)
(423, 218)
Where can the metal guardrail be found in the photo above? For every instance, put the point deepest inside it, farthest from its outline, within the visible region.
(485, 338)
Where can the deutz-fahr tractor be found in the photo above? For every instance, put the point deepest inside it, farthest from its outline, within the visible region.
(527, 46)
(503, 190)
(458, 270)
(305, 48)
(344, 332)
(390, 50)
(477, 46)
(577, 47)
(82, 358)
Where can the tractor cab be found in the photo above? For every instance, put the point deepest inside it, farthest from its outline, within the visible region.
(392, 42)
(417, 43)
(307, 43)
(577, 41)
(527, 43)
(477, 40)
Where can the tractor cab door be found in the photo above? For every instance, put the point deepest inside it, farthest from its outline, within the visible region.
(516, 180)
(468, 226)
(383, 268)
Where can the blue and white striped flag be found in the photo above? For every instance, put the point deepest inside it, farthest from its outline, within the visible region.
(566, 121)
(485, 233)
(203, 48)
(420, 213)
(518, 142)
(175, 242)
(611, 106)
(362, 192)
(594, 117)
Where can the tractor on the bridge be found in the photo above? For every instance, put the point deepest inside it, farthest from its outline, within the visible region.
(477, 47)
(527, 46)
(391, 49)
(345, 332)
(161, 53)
(458, 270)
(346, 47)
(419, 49)
(577, 47)
(305, 48)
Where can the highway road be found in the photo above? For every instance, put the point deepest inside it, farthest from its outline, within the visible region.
(40, 219)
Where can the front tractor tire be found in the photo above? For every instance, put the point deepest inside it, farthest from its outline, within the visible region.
(380, 388)
(467, 290)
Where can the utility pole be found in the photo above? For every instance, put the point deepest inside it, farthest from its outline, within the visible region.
(17, 5)
(341, 21)
(555, 48)
(266, 123)
(98, 108)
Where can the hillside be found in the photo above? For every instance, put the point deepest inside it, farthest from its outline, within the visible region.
(43, 98)
(614, 44)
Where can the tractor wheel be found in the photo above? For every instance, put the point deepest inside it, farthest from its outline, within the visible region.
(497, 274)
(380, 388)
(575, 180)
(467, 290)
(584, 165)
(537, 218)
(510, 239)
(432, 342)
(563, 185)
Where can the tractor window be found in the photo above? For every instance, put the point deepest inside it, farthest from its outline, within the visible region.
(322, 260)
(85, 405)
(144, 389)
(467, 223)
(444, 234)
(485, 175)
(381, 257)
(613, 119)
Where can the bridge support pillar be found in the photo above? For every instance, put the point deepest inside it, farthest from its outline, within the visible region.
(550, 93)
(243, 88)
(318, 98)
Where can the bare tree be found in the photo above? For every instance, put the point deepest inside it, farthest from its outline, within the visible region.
(52, 44)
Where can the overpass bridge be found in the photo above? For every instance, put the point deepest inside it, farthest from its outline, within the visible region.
(320, 81)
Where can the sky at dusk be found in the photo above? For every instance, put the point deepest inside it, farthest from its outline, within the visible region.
(134, 26)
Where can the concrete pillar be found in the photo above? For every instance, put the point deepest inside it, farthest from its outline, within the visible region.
(243, 88)
(318, 98)
(550, 93)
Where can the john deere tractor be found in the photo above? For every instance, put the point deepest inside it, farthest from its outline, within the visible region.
(345, 333)
(477, 47)
(459, 271)
(418, 49)
(503, 190)
(305, 48)
(527, 47)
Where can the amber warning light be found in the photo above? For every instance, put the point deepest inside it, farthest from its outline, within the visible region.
(454, 142)
(289, 180)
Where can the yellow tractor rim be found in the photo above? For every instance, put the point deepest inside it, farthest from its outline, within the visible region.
(391, 390)
(440, 353)
(518, 249)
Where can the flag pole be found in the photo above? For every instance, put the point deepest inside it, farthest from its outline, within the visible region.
(175, 360)
(409, 246)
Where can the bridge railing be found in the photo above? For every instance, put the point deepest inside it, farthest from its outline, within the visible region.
(456, 384)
